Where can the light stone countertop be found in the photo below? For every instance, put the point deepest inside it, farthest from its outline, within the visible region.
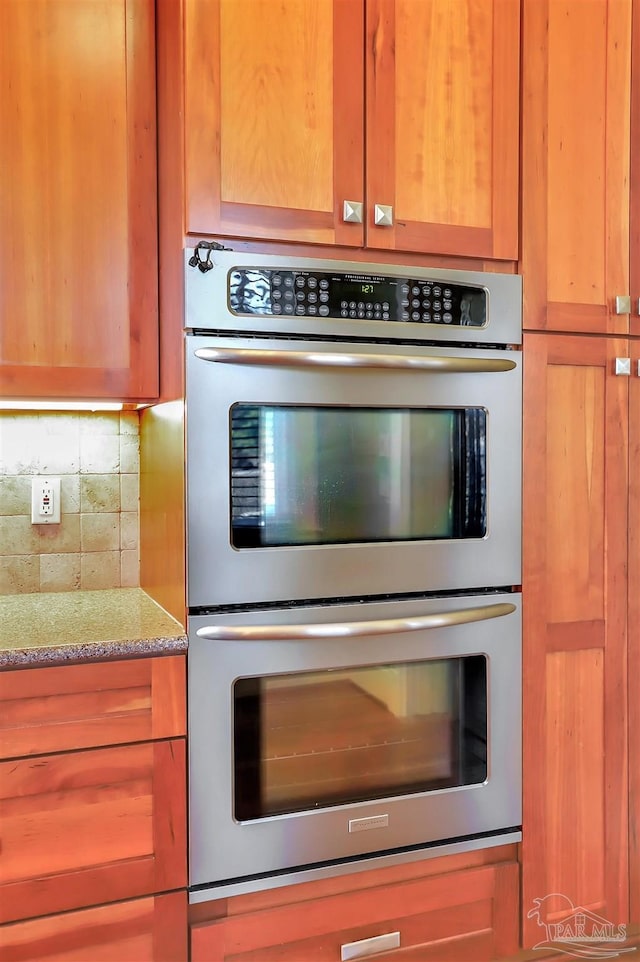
(56, 627)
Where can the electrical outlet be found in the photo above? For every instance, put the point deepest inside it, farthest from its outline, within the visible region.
(45, 500)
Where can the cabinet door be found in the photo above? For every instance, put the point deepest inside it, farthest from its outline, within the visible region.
(78, 263)
(575, 155)
(93, 826)
(635, 172)
(634, 632)
(469, 915)
(145, 930)
(273, 118)
(443, 125)
(575, 784)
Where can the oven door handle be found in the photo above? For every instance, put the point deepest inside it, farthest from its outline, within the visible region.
(353, 629)
(398, 362)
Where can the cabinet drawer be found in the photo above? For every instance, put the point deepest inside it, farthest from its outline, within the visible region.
(84, 706)
(147, 930)
(470, 915)
(91, 827)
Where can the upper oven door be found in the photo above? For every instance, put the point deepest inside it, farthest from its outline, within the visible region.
(320, 471)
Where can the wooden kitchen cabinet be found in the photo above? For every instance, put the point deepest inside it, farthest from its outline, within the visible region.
(93, 808)
(578, 418)
(78, 246)
(152, 929)
(634, 633)
(293, 109)
(635, 171)
(576, 127)
(470, 914)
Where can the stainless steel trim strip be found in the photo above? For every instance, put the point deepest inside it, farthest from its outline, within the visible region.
(333, 359)
(353, 629)
(219, 890)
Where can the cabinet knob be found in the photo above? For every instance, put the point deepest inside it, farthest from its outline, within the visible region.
(623, 366)
(352, 212)
(623, 304)
(383, 215)
(364, 947)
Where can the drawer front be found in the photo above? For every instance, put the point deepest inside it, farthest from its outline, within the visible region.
(148, 930)
(471, 915)
(91, 827)
(64, 708)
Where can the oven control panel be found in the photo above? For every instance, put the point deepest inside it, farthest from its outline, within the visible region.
(355, 296)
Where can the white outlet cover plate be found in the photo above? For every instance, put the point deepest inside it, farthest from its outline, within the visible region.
(45, 500)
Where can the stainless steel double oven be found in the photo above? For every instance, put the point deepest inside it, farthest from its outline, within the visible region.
(354, 515)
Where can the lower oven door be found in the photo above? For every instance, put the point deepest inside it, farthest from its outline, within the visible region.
(320, 734)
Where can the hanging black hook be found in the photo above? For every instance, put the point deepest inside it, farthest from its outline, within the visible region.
(204, 264)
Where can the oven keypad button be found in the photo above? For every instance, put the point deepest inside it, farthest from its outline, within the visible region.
(415, 316)
(288, 308)
(312, 297)
(277, 308)
(299, 281)
(312, 283)
(447, 317)
(324, 310)
(324, 284)
(437, 318)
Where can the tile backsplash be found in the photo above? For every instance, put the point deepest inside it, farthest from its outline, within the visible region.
(96, 544)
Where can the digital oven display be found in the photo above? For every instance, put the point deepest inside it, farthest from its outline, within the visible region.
(355, 297)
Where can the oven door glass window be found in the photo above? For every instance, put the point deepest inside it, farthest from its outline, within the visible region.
(332, 475)
(310, 740)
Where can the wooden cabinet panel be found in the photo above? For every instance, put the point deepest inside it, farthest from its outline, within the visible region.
(635, 171)
(78, 260)
(145, 930)
(574, 645)
(276, 113)
(575, 154)
(634, 634)
(80, 706)
(442, 143)
(273, 118)
(462, 915)
(91, 826)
